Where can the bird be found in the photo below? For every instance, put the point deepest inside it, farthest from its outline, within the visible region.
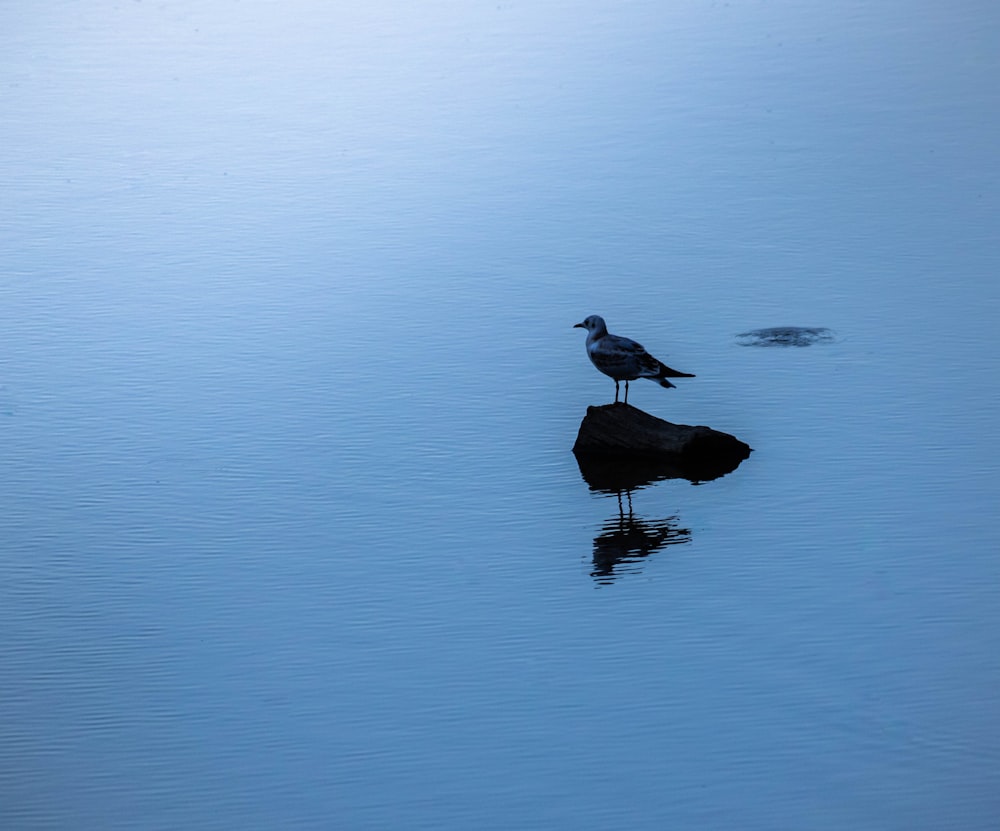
(622, 358)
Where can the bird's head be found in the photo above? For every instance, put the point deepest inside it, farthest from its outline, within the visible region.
(594, 323)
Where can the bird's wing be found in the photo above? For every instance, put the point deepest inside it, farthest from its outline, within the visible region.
(626, 346)
(648, 365)
(633, 354)
(618, 357)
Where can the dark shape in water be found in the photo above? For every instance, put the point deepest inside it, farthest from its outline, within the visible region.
(786, 336)
(626, 540)
(620, 447)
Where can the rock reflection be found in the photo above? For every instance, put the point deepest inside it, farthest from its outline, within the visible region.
(609, 474)
(626, 540)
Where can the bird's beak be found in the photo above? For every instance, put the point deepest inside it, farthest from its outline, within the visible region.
(579, 326)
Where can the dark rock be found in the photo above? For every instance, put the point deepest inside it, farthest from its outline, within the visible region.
(620, 446)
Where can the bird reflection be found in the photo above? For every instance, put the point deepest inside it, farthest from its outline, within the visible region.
(626, 540)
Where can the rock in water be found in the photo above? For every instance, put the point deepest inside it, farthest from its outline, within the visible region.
(626, 434)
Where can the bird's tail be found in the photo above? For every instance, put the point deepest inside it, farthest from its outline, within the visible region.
(666, 372)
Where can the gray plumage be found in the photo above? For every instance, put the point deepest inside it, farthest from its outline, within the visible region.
(623, 359)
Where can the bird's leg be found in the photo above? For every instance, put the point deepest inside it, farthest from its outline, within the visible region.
(616, 392)
(626, 392)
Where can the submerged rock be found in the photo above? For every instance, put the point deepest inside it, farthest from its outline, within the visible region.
(786, 336)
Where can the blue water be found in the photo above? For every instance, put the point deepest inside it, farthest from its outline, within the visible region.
(292, 535)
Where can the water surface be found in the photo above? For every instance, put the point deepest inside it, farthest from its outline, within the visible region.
(292, 533)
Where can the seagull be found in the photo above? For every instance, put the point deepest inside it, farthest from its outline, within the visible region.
(623, 359)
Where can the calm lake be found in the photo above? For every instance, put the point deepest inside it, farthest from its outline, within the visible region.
(291, 534)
